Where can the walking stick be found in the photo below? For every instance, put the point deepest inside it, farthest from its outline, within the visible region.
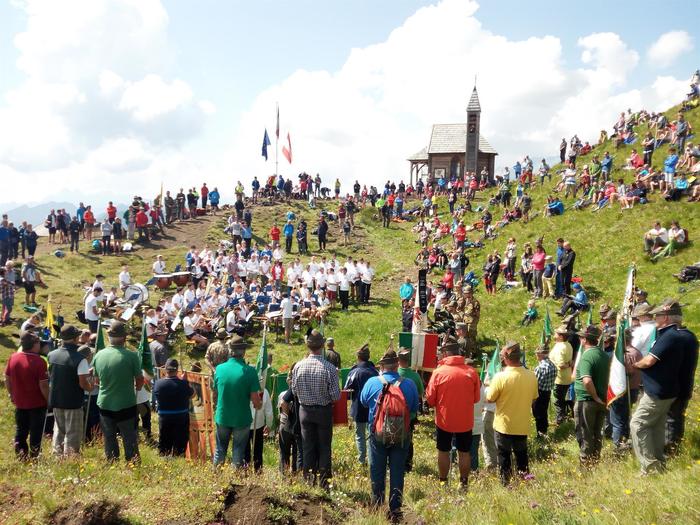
(87, 416)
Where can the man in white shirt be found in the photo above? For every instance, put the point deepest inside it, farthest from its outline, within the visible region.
(124, 278)
(287, 316)
(655, 238)
(291, 277)
(92, 313)
(159, 265)
(366, 276)
(643, 328)
(307, 278)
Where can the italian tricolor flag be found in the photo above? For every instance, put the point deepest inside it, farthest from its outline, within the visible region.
(423, 348)
(617, 384)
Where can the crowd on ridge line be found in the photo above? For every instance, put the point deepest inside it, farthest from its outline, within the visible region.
(491, 413)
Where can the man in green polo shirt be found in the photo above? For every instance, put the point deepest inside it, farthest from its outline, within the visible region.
(119, 373)
(237, 386)
(592, 373)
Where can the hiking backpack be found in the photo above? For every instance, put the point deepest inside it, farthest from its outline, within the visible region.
(392, 417)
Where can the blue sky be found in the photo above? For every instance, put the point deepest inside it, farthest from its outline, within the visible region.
(222, 64)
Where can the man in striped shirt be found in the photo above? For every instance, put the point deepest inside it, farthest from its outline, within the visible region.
(314, 382)
(546, 374)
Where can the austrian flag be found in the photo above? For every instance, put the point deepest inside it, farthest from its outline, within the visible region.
(287, 150)
(423, 349)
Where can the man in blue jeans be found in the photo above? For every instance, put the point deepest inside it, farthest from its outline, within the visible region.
(118, 371)
(359, 374)
(237, 386)
(381, 455)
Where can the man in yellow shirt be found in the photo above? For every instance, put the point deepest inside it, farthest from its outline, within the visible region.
(513, 390)
(561, 356)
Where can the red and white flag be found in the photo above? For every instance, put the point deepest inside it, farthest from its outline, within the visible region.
(287, 150)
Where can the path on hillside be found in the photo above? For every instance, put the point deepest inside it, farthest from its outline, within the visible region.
(181, 233)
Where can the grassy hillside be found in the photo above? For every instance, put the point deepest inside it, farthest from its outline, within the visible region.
(176, 491)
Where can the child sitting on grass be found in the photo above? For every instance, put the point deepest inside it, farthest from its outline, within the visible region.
(530, 313)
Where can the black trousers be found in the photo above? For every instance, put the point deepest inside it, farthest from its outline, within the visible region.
(74, 238)
(144, 414)
(540, 408)
(508, 445)
(291, 451)
(288, 244)
(317, 435)
(562, 407)
(322, 243)
(257, 451)
(173, 434)
(344, 298)
(29, 424)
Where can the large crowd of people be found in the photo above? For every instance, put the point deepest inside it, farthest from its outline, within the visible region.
(240, 286)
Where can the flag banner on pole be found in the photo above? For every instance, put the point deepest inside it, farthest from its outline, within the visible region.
(423, 348)
(145, 352)
(287, 150)
(261, 365)
(617, 384)
(265, 144)
(495, 363)
(277, 129)
(423, 290)
(100, 341)
(50, 321)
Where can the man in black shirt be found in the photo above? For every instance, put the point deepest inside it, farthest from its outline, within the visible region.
(172, 396)
(665, 377)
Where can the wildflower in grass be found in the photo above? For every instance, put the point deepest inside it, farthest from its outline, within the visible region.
(628, 492)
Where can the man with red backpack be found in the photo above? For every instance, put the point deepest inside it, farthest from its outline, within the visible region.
(453, 389)
(392, 401)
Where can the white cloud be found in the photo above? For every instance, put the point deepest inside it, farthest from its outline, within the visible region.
(101, 115)
(668, 47)
(96, 102)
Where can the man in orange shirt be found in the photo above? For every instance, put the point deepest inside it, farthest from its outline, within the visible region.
(275, 236)
(111, 212)
(453, 389)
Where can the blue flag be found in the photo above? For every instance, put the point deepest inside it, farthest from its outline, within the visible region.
(266, 143)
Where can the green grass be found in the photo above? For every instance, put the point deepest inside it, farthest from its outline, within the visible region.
(612, 493)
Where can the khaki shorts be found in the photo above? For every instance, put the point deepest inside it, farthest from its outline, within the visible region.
(288, 323)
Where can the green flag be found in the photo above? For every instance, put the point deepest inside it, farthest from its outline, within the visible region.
(261, 365)
(100, 342)
(495, 363)
(145, 352)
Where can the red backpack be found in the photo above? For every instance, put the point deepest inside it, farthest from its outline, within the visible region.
(392, 417)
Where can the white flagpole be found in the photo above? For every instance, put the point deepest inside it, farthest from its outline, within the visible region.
(277, 138)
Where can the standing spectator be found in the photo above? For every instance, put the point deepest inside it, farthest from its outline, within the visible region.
(7, 294)
(237, 386)
(546, 374)
(172, 397)
(89, 218)
(287, 307)
(664, 380)
(382, 453)
(407, 372)
(538, 264)
(158, 348)
(4, 242)
(74, 230)
(142, 224)
(513, 390)
(30, 276)
(620, 407)
(359, 374)
(262, 422)
(332, 356)
(13, 251)
(92, 313)
(69, 380)
(453, 389)
(322, 234)
(118, 372)
(27, 382)
(561, 357)
(314, 382)
(111, 212)
(106, 229)
(30, 239)
(204, 193)
(214, 199)
(566, 267)
(288, 236)
(591, 385)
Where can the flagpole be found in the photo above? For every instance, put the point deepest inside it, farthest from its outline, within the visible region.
(277, 139)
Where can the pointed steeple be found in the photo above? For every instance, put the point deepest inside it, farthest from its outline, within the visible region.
(474, 102)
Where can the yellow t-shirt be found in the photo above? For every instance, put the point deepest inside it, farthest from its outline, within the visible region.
(561, 354)
(513, 390)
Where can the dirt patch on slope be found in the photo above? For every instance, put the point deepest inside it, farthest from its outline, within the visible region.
(101, 512)
(253, 505)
